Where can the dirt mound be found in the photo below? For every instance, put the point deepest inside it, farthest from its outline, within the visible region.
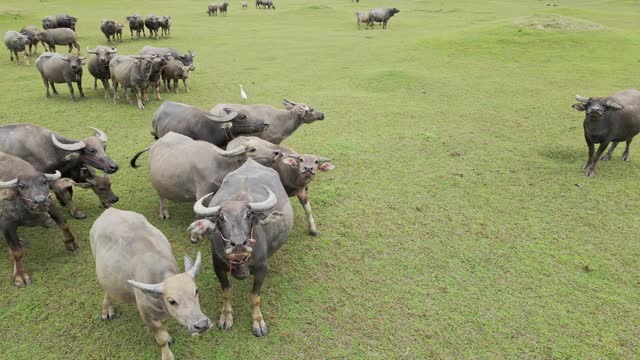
(558, 23)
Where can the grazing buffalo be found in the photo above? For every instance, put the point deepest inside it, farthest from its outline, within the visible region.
(86, 178)
(362, 18)
(152, 23)
(165, 25)
(265, 4)
(175, 70)
(245, 5)
(223, 8)
(98, 66)
(381, 15)
(31, 32)
(25, 201)
(57, 69)
(212, 9)
(200, 125)
(135, 265)
(17, 42)
(186, 59)
(183, 169)
(296, 172)
(63, 36)
(59, 21)
(136, 23)
(247, 220)
(109, 28)
(282, 123)
(609, 120)
(131, 72)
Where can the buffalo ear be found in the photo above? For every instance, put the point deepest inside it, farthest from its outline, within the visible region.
(579, 106)
(326, 166)
(275, 215)
(291, 162)
(84, 185)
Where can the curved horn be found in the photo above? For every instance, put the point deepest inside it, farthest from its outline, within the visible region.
(69, 147)
(230, 116)
(233, 152)
(322, 159)
(582, 99)
(82, 57)
(295, 156)
(100, 134)
(306, 108)
(195, 268)
(202, 210)
(265, 205)
(614, 105)
(8, 184)
(53, 177)
(148, 288)
(64, 57)
(91, 51)
(290, 102)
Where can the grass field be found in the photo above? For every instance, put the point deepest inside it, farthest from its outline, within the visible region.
(457, 224)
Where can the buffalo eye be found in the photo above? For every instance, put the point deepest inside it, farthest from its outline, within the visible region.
(252, 150)
(276, 153)
(172, 302)
(317, 162)
(21, 186)
(91, 151)
(44, 181)
(243, 117)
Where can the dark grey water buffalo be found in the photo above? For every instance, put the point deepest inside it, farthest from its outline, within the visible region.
(223, 8)
(156, 71)
(57, 69)
(381, 15)
(175, 70)
(247, 220)
(119, 28)
(136, 23)
(200, 125)
(63, 36)
(282, 123)
(25, 201)
(98, 66)
(152, 23)
(31, 32)
(212, 9)
(362, 18)
(611, 119)
(183, 169)
(165, 25)
(131, 72)
(16, 43)
(84, 177)
(186, 59)
(135, 265)
(109, 28)
(59, 21)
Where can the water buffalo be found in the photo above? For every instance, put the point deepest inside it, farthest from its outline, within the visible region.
(247, 220)
(186, 59)
(59, 21)
(362, 17)
(84, 177)
(98, 66)
(223, 8)
(57, 69)
(17, 42)
(607, 120)
(244, 5)
(212, 9)
(135, 265)
(119, 28)
(165, 25)
(156, 70)
(136, 23)
(31, 32)
(63, 36)
(200, 125)
(25, 201)
(183, 169)
(381, 15)
(109, 28)
(282, 123)
(152, 23)
(175, 70)
(131, 72)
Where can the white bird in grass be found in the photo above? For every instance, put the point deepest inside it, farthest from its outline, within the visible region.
(243, 94)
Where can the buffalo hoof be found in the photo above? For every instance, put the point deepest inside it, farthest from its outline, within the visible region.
(21, 280)
(589, 173)
(71, 245)
(625, 157)
(79, 215)
(225, 322)
(164, 214)
(108, 315)
(313, 232)
(171, 341)
(260, 329)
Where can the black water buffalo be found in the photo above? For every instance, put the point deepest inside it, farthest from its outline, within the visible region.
(165, 25)
(200, 125)
(156, 70)
(136, 23)
(84, 177)
(53, 37)
(247, 220)
(25, 201)
(282, 123)
(607, 120)
(57, 69)
(98, 66)
(381, 15)
(223, 8)
(16, 43)
(31, 32)
(152, 23)
(132, 72)
(186, 59)
(109, 28)
(60, 21)
(175, 70)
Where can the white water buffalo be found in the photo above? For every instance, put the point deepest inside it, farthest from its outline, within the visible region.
(135, 265)
(282, 123)
(16, 43)
(86, 178)
(245, 5)
(362, 18)
(247, 220)
(61, 36)
(25, 201)
(136, 23)
(98, 66)
(57, 69)
(201, 125)
(381, 15)
(132, 73)
(186, 59)
(184, 170)
(611, 119)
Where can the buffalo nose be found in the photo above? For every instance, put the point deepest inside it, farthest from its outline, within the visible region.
(39, 199)
(114, 199)
(202, 324)
(321, 116)
(113, 168)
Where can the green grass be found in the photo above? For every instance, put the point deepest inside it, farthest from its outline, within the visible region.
(452, 226)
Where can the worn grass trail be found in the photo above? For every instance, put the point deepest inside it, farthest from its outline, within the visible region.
(452, 226)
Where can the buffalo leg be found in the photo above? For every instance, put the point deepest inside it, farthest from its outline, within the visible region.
(70, 47)
(95, 84)
(607, 156)
(115, 90)
(105, 85)
(73, 95)
(163, 339)
(79, 82)
(69, 240)
(164, 212)
(591, 147)
(107, 308)
(226, 316)
(259, 327)
(625, 155)
(20, 277)
(77, 46)
(65, 197)
(157, 90)
(304, 201)
(186, 88)
(175, 85)
(139, 98)
(46, 86)
(591, 169)
(11, 55)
